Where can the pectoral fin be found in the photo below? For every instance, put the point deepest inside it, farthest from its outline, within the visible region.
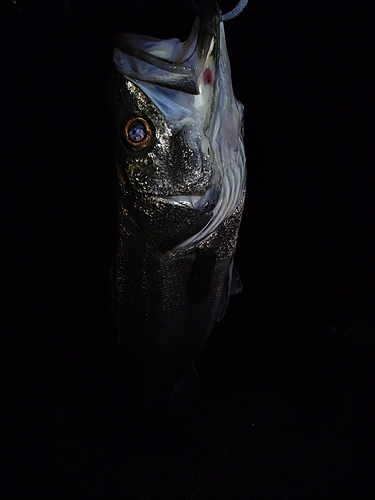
(232, 286)
(187, 387)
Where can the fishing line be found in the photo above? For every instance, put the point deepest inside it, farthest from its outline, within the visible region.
(229, 15)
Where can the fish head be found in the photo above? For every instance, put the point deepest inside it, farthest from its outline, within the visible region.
(178, 133)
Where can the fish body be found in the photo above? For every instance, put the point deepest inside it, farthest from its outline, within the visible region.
(178, 141)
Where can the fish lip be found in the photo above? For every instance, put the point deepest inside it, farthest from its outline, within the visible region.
(184, 72)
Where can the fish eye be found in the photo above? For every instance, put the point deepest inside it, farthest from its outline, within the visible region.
(137, 133)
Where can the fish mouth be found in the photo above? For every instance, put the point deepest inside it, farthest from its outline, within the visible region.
(170, 63)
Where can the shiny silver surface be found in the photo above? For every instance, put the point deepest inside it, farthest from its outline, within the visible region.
(180, 199)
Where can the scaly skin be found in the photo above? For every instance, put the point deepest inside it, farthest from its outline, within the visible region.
(181, 192)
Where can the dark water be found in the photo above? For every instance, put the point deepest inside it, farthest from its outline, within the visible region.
(286, 406)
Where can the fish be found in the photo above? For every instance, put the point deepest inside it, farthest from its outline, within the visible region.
(181, 183)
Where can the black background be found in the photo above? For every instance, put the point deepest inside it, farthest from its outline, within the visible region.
(286, 406)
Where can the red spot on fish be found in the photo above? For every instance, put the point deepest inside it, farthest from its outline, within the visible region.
(207, 77)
